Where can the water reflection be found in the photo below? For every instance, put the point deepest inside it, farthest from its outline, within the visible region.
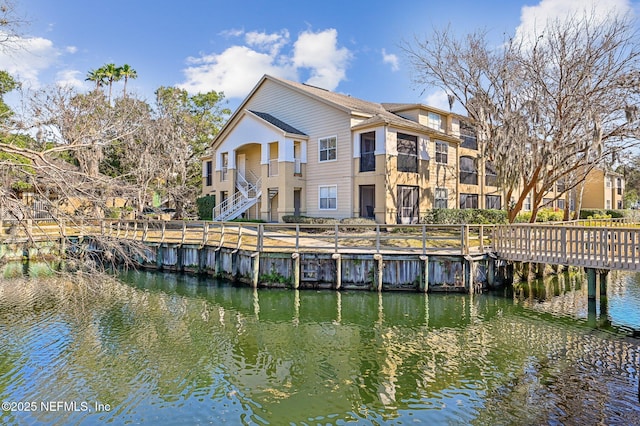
(174, 349)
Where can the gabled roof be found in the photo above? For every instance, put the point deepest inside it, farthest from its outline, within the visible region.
(345, 102)
(278, 123)
(371, 112)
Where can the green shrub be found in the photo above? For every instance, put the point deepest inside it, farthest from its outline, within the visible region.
(243, 220)
(547, 214)
(464, 216)
(309, 220)
(523, 217)
(205, 206)
(356, 221)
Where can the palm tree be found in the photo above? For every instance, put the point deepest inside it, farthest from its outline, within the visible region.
(111, 74)
(127, 73)
(96, 76)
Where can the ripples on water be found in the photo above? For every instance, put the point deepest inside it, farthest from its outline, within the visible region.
(170, 349)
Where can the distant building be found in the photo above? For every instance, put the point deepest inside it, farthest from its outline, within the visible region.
(603, 189)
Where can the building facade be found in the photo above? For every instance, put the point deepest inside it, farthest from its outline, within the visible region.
(296, 149)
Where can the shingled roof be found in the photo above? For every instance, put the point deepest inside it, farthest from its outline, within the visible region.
(278, 123)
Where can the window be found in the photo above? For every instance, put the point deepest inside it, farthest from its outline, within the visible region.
(608, 204)
(608, 180)
(620, 205)
(224, 173)
(441, 198)
(560, 186)
(619, 186)
(468, 136)
(407, 153)
(434, 121)
(408, 211)
(527, 203)
(442, 152)
(208, 170)
(297, 148)
(328, 149)
(547, 202)
(367, 152)
(560, 203)
(468, 201)
(468, 171)
(494, 202)
(490, 174)
(328, 197)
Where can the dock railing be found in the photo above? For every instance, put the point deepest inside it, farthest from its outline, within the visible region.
(603, 244)
(273, 237)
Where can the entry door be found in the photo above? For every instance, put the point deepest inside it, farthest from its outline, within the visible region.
(241, 165)
(296, 202)
(408, 211)
(367, 200)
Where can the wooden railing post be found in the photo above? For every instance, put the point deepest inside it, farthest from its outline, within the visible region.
(260, 238)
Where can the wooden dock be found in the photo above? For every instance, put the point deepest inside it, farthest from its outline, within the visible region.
(420, 257)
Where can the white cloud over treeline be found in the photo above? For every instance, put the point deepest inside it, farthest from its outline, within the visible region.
(314, 57)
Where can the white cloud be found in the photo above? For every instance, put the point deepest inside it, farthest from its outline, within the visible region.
(234, 32)
(533, 19)
(319, 52)
(234, 72)
(264, 42)
(71, 78)
(26, 58)
(71, 49)
(438, 99)
(390, 58)
(237, 69)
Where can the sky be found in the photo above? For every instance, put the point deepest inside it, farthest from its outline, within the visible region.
(347, 46)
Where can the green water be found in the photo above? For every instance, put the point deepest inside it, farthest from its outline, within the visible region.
(170, 349)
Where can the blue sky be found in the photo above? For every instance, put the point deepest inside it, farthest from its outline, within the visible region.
(347, 46)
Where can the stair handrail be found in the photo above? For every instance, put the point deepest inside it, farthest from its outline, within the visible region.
(247, 195)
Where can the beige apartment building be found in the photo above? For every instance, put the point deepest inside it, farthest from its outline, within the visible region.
(296, 149)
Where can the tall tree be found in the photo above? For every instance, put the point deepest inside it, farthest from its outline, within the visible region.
(185, 124)
(97, 76)
(548, 109)
(111, 74)
(126, 72)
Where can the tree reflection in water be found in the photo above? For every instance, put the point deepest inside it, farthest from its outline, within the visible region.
(175, 348)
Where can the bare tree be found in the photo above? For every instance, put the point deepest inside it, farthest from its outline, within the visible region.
(185, 126)
(53, 151)
(10, 23)
(547, 109)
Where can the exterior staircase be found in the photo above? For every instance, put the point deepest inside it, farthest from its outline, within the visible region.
(249, 190)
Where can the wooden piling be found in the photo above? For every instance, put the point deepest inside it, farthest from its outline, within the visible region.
(296, 270)
(379, 269)
(591, 282)
(338, 259)
(424, 283)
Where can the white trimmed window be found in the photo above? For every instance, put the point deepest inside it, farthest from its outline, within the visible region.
(441, 198)
(442, 152)
(328, 149)
(434, 121)
(224, 172)
(328, 197)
